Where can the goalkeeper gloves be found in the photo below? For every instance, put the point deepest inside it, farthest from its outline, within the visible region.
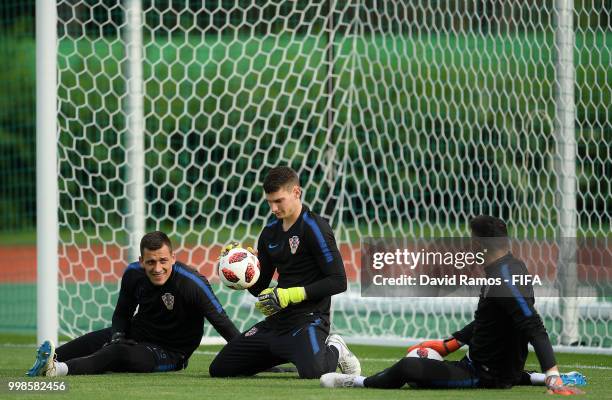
(272, 300)
(554, 385)
(444, 347)
(233, 245)
(120, 338)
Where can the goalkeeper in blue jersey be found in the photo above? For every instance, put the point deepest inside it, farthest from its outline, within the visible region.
(504, 323)
(157, 324)
(300, 245)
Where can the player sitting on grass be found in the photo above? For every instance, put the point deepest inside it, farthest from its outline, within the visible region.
(504, 323)
(172, 301)
(300, 245)
(527, 378)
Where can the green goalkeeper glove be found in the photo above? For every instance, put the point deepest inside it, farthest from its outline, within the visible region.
(226, 249)
(272, 300)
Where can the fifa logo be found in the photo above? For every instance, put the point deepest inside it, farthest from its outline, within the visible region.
(168, 300)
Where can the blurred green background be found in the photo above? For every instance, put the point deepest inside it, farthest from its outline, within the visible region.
(400, 119)
(223, 96)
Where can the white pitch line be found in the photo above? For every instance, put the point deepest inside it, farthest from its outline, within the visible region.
(206, 353)
(576, 366)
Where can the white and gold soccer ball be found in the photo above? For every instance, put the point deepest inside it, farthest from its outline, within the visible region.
(425, 352)
(238, 269)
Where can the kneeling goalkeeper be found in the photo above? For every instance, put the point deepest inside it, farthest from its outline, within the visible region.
(300, 245)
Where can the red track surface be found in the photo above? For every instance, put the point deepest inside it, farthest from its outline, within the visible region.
(107, 262)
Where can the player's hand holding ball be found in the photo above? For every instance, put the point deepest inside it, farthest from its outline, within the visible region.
(238, 268)
(232, 245)
(425, 352)
(272, 300)
(443, 347)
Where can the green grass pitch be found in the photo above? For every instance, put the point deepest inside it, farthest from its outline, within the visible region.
(18, 354)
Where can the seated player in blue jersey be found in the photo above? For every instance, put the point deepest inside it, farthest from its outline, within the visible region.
(171, 301)
(505, 322)
(300, 245)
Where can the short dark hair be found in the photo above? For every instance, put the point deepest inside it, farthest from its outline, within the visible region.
(279, 177)
(490, 232)
(488, 226)
(154, 241)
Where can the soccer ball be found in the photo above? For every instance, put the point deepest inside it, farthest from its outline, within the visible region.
(425, 352)
(238, 269)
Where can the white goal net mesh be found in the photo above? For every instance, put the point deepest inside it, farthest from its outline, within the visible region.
(402, 119)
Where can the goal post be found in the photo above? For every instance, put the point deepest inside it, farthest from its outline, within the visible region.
(566, 167)
(135, 146)
(47, 228)
(403, 119)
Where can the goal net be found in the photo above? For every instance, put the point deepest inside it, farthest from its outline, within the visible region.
(402, 118)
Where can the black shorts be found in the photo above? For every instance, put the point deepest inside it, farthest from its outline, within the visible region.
(434, 374)
(89, 355)
(264, 346)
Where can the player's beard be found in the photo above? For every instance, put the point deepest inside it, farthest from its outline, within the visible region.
(159, 279)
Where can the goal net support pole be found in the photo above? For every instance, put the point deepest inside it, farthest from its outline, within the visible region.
(566, 169)
(46, 171)
(135, 167)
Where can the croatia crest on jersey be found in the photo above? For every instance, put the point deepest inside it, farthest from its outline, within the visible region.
(168, 300)
(251, 331)
(294, 242)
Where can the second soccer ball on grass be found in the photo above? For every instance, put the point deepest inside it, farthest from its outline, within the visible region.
(425, 352)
